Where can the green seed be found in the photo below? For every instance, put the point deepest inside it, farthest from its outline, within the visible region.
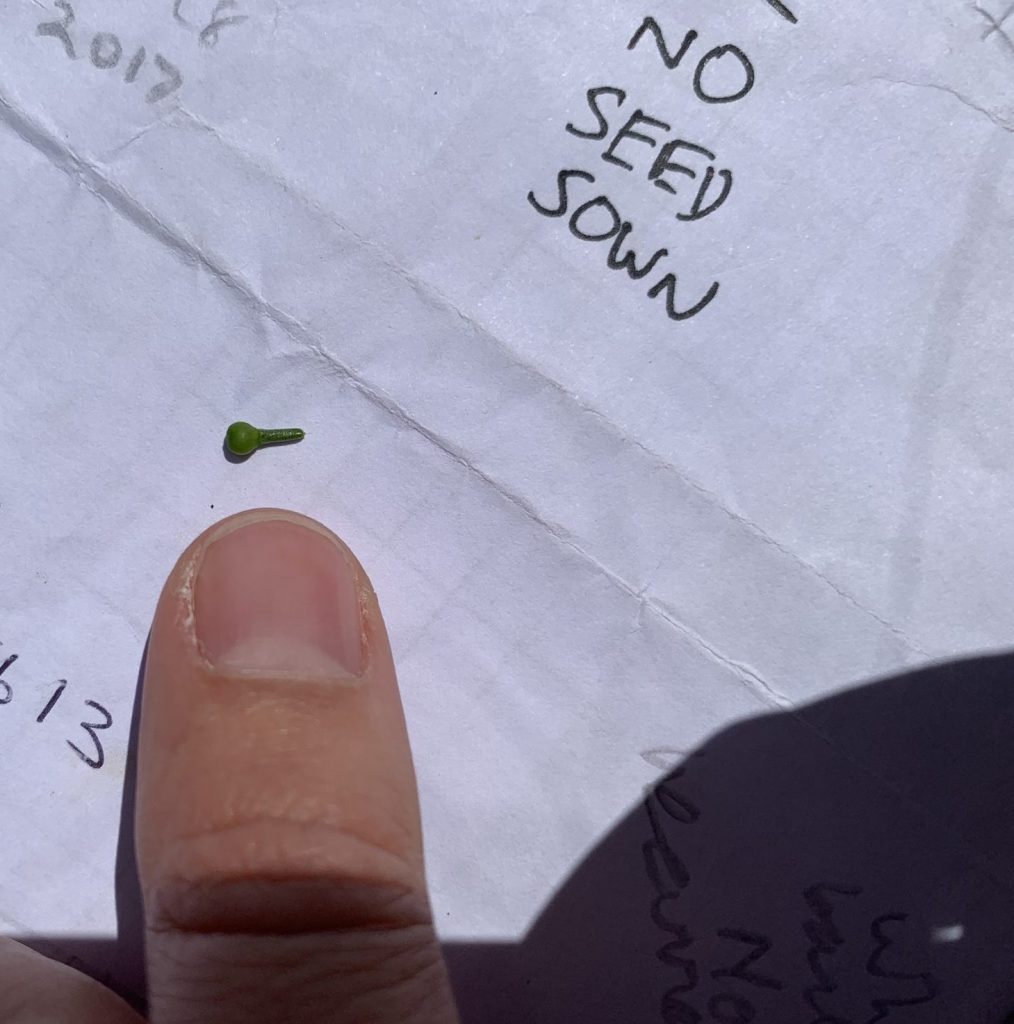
(243, 439)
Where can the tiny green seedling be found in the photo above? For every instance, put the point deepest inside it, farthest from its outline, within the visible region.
(243, 439)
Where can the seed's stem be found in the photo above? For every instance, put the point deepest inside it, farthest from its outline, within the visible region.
(277, 436)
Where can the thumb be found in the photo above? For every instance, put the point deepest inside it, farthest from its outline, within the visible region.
(278, 832)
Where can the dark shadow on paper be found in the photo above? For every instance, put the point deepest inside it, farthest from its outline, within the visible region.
(849, 863)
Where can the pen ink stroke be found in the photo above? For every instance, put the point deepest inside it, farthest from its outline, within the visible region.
(926, 983)
(996, 24)
(778, 6)
(7, 695)
(106, 51)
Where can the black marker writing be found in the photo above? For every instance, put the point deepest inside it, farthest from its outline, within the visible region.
(7, 694)
(716, 54)
(783, 10)
(106, 50)
(668, 285)
(628, 261)
(677, 166)
(599, 202)
(875, 966)
(741, 970)
(672, 61)
(561, 184)
(169, 84)
(593, 101)
(90, 727)
(669, 876)
(664, 162)
(825, 937)
(679, 807)
(696, 212)
(44, 713)
(662, 864)
(715, 183)
(135, 65)
(742, 952)
(58, 29)
(731, 1009)
(580, 227)
(209, 34)
(627, 132)
(827, 940)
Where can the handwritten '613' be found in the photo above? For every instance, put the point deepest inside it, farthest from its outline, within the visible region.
(95, 757)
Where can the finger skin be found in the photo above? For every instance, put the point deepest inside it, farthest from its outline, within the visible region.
(37, 990)
(278, 834)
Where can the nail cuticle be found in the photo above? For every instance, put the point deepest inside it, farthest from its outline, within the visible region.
(275, 596)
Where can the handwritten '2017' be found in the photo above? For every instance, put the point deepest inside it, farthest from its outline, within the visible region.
(106, 50)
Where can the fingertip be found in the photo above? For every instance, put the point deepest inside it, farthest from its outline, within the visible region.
(278, 825)
(275, 574)
(272, 741)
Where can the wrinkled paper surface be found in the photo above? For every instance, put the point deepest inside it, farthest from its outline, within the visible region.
(657, 587)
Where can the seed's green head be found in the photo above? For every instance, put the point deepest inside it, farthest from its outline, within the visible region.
(242, 439)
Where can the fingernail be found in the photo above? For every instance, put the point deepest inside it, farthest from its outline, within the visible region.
(276, 597)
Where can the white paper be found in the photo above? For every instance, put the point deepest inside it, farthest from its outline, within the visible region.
(606, 541)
